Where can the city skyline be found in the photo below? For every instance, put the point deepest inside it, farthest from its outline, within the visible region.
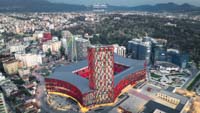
(126, 2)
(99, 58)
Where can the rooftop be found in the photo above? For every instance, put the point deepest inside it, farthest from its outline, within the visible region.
(81, 40)
(183, 100)
(151, 106)
(10, 61)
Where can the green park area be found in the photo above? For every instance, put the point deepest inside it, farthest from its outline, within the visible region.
(155, 75)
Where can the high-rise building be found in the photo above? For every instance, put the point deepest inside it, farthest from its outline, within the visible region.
(140, 49)
(159, 50)
(66, 34)
(176, 57)
(71, 49)
(101, 68)
(159, 53)
(81, 48)
(64, 44)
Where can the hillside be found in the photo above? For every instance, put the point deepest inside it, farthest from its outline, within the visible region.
(37, 6)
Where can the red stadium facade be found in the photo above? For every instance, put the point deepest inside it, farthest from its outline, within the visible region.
(53, 85)
(105, 76)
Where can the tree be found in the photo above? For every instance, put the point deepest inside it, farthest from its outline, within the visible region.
(48, 53)
(62, 51)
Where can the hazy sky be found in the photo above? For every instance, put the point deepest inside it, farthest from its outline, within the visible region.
(127, 2)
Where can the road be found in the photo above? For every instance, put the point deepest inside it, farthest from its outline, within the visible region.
(195, 73)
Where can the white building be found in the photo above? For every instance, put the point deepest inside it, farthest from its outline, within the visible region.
(29, 60)
(38, 34)
(23, 72)
(54, 46)
(30, 38)
(17, 48)
(119, 50)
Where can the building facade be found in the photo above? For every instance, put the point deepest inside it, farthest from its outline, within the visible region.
(66, 34)
(17, 48)
(11, 67)
(81, 46)
(119, 50)
(139, 49)
(29, 60)
(53, 46)
(101, 68)
(24, 71)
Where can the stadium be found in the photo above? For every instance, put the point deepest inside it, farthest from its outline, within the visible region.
(99, 80)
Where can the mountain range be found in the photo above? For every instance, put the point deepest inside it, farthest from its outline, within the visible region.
(168, 7)
(46, 6)
(37, 6)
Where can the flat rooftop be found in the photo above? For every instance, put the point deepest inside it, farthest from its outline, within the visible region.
(151, 106)
(66, 73)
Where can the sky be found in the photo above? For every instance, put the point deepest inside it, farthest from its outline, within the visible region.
(126, 2)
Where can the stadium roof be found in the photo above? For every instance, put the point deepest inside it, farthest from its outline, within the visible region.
(80, 82)
(65, 73)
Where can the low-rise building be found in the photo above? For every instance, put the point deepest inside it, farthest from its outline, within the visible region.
(54, 46)
(7, 86)
(11, 66)
(179, 103)
(17, 48)
(46, 36)
(33, 38)
(119, 50)
(24, 71)
(28, 107)
(4, 58)
(38, 34)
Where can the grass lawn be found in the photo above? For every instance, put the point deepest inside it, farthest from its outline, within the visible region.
(155, 75)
